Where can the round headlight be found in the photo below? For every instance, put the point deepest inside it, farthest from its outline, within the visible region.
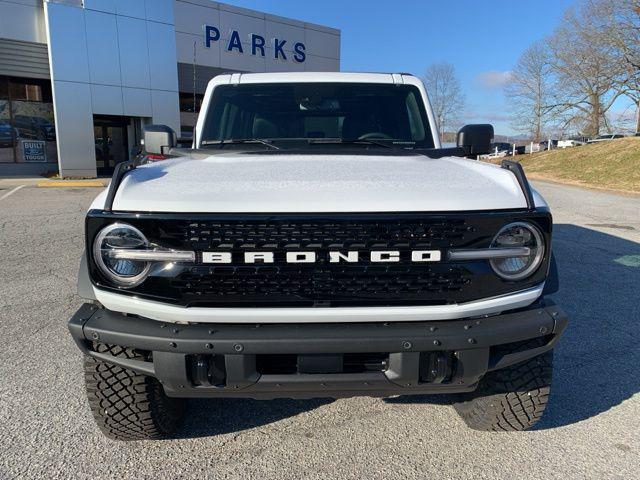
(116, 237)
(517, 235)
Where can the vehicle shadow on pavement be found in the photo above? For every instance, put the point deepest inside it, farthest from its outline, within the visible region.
(209, 417)
(596, 361)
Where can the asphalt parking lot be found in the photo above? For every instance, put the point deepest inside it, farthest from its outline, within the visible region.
(591, 428)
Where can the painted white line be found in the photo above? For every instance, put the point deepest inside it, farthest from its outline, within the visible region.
(11, 192)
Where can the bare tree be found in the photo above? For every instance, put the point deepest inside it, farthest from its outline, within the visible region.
(584, 67)
(620, 21)
(445, 95)
(529, 91)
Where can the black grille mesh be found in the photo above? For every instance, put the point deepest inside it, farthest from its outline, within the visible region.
(319, 284)
(324, 234)
(322, 281)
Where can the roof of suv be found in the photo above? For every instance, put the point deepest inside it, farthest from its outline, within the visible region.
(335, 77)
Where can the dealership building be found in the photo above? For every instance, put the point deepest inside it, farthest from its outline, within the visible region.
(80, 79)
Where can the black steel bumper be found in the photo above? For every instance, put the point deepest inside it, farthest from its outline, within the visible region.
(227, 360)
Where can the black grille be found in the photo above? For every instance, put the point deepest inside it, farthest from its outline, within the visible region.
(322, 283)
(322, 234)
(319, 285)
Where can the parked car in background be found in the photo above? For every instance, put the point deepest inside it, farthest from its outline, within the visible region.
(544, 145)
(570, 143)
(34, 127)
(8, 135)
(605, 138)
(532, 148)
(499, 147)
(521, 149)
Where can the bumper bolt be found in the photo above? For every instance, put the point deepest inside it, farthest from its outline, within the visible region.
(433, 329)
(95, 335)
(471, 340)
(436, 342)
(543, 330)
(467, 327)
(172, 344)
(238, 347)
(406, 345)
(208, 346)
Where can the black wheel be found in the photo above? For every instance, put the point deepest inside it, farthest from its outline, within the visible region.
(127, 405)
(510, 399)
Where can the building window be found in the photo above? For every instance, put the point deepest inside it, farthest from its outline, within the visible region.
(27, 126)
(186, 102)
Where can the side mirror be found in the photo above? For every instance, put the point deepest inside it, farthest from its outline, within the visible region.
(158, 139)
(475, 139)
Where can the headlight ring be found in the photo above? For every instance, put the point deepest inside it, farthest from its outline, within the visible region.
(122, 272)
(518, 234)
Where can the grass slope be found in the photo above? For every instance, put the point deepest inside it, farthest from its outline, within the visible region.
(611, 165)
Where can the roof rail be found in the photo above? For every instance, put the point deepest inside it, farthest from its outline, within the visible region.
(518, 171)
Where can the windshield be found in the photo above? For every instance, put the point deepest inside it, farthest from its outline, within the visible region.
(374, 114)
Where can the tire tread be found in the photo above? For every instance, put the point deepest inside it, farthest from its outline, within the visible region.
(513, 398)
(127, 405)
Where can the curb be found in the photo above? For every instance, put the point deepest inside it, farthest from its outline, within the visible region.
(72, 183)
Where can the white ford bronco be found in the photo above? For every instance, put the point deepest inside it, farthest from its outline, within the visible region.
(316, 241)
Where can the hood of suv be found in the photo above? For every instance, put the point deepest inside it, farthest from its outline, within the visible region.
(278, 183)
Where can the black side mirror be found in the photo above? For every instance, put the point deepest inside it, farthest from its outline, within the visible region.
(475, 139)
(159, 139)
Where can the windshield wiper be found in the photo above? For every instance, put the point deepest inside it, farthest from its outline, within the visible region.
(343, 141)
(239, 141)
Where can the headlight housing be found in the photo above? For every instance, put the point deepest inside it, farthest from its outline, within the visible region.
(518, 235)
(122, 272)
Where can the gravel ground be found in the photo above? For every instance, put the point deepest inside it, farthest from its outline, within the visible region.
(591, 428)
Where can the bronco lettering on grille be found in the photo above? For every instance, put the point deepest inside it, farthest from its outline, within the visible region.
(376, 256)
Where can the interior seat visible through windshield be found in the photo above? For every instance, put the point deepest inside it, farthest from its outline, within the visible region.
(389, 113)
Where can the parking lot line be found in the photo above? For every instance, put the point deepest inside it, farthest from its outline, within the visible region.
(11, 192)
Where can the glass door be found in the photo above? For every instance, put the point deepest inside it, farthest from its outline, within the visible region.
(111, 142)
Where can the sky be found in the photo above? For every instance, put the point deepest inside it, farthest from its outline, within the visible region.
(482, 39)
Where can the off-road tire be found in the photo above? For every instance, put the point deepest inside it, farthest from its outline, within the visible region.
(512, 398)
(127, 405)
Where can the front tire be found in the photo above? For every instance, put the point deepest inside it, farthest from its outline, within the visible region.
(127, 405)
(511, 399)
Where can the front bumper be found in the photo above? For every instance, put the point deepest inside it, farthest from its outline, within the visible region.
(234, 360)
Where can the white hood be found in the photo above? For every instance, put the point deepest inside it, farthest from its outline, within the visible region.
(277, 183)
